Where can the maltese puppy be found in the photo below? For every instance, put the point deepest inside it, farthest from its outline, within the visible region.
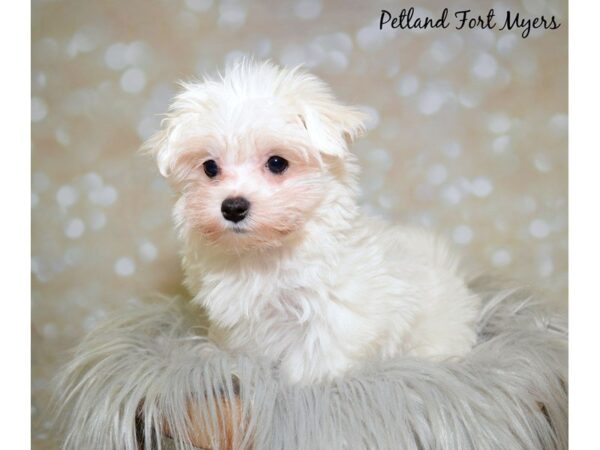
(274, 245)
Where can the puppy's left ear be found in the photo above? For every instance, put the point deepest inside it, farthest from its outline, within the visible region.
(331, 125)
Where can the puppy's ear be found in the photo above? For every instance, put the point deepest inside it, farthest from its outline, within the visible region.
(331, 125)
(183, 112)
(158, 146)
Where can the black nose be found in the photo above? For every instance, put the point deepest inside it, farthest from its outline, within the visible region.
(235, 208)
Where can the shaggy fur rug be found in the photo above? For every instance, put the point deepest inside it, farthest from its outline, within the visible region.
(140, 373)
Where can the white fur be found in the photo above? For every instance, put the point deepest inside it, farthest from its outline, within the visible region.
(305, 280)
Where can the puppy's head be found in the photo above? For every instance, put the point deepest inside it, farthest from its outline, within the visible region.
(254, 154)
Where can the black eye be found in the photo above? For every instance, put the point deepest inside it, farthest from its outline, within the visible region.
(210, 168)
(277, 164)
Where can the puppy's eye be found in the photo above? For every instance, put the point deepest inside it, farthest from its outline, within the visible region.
(210, 168)
(277, 164)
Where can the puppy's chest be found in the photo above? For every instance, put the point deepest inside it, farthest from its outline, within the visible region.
(286, 296)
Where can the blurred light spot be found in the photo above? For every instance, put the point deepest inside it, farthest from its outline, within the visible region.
(92, 180)
(430, 102)
(537, 7)
(292, 55)
(446, 49)
(370, 38)
(137, 53)
(387, 201)
(35, 199)
(392, 70)
(559, 124)
(80, 43)
(501, 224)
(481, 187)
(424, 192)
(40, 182)
(452, 195)
(380, 158)
(499, 123)
(539, 228)
(74, 228)
(40, 269)
(92, 320)
(187, 20)
(308, 9)
(46, 49)
(506, 43)
(462, 235)
(542, 163)
(62, 136)
(39, 79)
(73, 256)
(103, 196)
(546, 268)
(133, 81)
(115, 56)
(501, 144)
(425, 219)
(527, 204)
(66, 196)
(469, 98)
(147, 251)
(231, 15)
(503, 79)
(525, 65)
(50, 331)
(124, 267)
(198, 5)
(335, 41)
(485, 66)
(97, 220)
(407, 85)
(437, 174)
(263, 48)
(484, 38)
(147, 126)
(39, 110)
(501, 258)
(452, 149)
(335, 62)
(372, 184)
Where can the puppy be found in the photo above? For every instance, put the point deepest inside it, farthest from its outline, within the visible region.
(274, 245)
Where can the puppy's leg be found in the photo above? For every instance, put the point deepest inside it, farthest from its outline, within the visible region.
(445, 329)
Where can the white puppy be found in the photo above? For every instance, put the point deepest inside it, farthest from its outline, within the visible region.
(275, 247)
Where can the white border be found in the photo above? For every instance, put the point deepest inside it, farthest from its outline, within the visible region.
(584, 223)
(15, 244)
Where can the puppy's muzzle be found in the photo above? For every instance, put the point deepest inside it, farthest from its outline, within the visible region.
(235, 209)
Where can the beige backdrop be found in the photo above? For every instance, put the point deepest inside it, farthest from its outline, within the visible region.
(468, 136)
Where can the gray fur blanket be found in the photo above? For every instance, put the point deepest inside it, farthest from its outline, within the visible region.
(135, 376)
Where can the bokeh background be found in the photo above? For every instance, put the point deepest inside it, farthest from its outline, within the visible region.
(467, 135)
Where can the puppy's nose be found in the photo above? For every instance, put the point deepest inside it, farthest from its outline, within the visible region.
(235, 209)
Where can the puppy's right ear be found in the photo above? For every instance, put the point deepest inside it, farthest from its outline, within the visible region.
(158, 146)
(183, 118)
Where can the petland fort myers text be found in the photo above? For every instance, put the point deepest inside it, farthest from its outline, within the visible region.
(409, 19)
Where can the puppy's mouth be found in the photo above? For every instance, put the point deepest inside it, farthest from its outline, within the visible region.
(238, 229)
